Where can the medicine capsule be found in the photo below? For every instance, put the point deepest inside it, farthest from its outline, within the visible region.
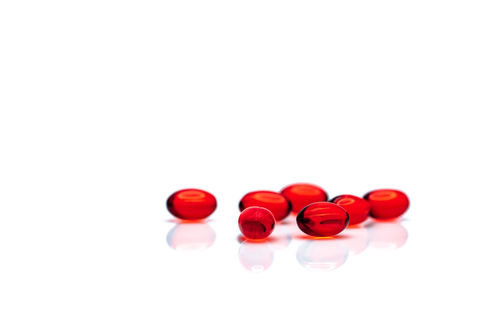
(357, 208)
(191, 204)
(322, 219)
(256, 222)
(303, 194)
(387, 203)
(272, 201)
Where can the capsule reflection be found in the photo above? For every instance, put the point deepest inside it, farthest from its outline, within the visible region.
(356, 239)
(191, 236)
(255, 256)
(387, 234)
(322, 255)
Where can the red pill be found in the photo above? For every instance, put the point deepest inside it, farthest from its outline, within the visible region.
(303, 194)
(272, 201)
(191, 204)
(256, 222)
(322, 219)
(357, 208)
(387, 203)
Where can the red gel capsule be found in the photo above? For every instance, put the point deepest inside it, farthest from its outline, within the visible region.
(322, 219)
(303, 194)
(357, 208)
(272, 201)
(256, 222)
(191, 204)
(387, 203)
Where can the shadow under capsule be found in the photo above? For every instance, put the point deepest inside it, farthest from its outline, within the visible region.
(191, 236)
(322, 254)
(387, 234)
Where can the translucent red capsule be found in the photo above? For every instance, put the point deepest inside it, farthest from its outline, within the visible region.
(322, 219)
(303, 194)
(191, 204)
(387, 203)
(256, 222)
(357, 208)
(272, 201)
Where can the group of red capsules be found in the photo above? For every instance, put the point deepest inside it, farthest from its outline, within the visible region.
(316, 215)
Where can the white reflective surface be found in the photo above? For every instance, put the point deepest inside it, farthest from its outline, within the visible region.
(107, 107)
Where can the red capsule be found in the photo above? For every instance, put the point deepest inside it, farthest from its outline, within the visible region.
(387, 203)
(357, 208)
(322, 219)
(191, 204)
(256, 222)
(303, 194)
(272, 201)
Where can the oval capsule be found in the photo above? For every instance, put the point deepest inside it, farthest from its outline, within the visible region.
(387, 203)
(322, 219)
(191, 204)
(256, 222)
(302, 194)
(272, 201)
(357, 208)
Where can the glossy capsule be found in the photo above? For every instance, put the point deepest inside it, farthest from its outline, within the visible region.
(387, 203)
(191, 204)
(357, 208)
(303, 194)
(273, 201)
(322, 219)
(256, 222)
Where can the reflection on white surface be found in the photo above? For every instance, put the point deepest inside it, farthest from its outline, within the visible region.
(191, 236)
(317, 254)
(256, 256)
(387, 234)
(322, 254)
(356, 239)
(281, 237)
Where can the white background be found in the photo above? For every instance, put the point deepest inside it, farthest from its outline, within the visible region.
(107, 107)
